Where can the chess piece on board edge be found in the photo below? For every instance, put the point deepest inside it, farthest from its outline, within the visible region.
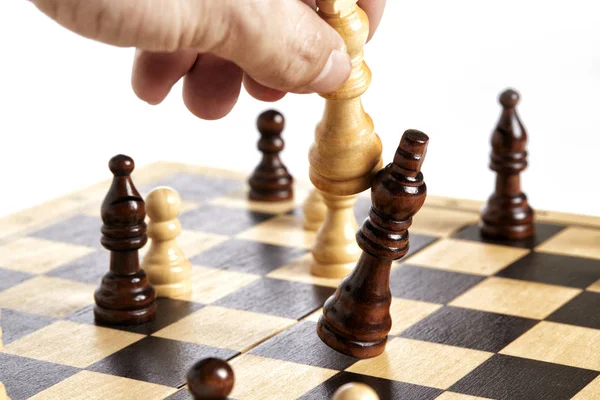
(355, 391)
(168, 269)
(271, 180)
(125, 296)
(346, 152)
(314, 210)
(210, 379)
(507, 214)
(356, 318)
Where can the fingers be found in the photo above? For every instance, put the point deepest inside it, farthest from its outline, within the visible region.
(212, 87)
(374, 9)
(261, 92)
(154, 74)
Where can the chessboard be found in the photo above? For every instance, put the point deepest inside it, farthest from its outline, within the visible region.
(472, 318)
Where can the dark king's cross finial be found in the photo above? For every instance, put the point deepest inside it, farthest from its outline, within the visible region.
(507, 214)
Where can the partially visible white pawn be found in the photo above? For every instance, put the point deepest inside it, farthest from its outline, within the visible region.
(314, 211)
(355, 391)
(168, 269)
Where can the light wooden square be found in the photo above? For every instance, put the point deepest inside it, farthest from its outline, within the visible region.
(314, 317)
(225, 328)
(71, 343)
(191, 243)
(422, 363)
(284, 230)
(299, 271)
(574, 241)
(441, 222)
(211, 284)
(239, 199)
(88, 385)
(560, 344)
(515, 297)
(37, 256)
(467, 256)
(53, 297)
(590, 392)
(259, 378)
(406, 313)
(594, 287)
(459, 396)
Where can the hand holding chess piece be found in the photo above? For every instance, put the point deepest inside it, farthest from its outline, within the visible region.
(169, 271)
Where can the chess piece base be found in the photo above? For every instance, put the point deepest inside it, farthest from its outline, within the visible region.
(349, 347)
(331, 270)
(124, 317)
(274, 196)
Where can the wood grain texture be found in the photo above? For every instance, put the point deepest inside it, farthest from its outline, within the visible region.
(590, 392)
(574, 241)
(225, 328)
(423, 363)
(507, 213)
(54, 343)
(284, 230)
(560, 344)
(468, 257)
(87, 385)
(210, 284)
(513, 297)
(37, 256)
(264, 378)
(52, 297)
(346, 153)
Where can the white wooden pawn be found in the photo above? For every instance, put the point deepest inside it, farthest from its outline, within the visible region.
(355, 391)
(168, 269)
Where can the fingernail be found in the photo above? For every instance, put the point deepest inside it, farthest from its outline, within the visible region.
(334, 74)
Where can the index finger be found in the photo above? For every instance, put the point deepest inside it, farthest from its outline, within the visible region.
(374, 10)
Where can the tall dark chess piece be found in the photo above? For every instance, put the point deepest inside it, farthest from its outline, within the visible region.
(125, 296)
(507, 214)
(210, 379)
(356, 319)
(271, 180)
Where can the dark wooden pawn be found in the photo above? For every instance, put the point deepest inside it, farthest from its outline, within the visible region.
(271, 180)
(125, 296)
(210, 379)
(356, 319)
(507, 214)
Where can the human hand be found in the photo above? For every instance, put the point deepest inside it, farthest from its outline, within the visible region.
(272, 46)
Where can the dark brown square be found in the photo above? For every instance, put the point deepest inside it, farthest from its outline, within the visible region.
(221, 220)
(157, 360)
(583, 310)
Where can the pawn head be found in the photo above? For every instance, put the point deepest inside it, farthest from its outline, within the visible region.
(355, 391)
(163, 204)
(270, 122)
(121, 165)
(509, 98)
(210, 378)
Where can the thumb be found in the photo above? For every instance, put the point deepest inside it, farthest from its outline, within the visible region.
(283, 45)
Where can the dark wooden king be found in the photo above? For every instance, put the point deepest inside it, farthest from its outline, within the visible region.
(271, 180)
(507, 214)
(356, 319)
(125, 296)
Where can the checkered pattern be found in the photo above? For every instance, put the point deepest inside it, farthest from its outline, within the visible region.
(472, 318)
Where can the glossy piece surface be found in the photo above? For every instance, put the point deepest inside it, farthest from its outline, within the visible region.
(210, 379)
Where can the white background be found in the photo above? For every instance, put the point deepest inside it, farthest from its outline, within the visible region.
(438, 66)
